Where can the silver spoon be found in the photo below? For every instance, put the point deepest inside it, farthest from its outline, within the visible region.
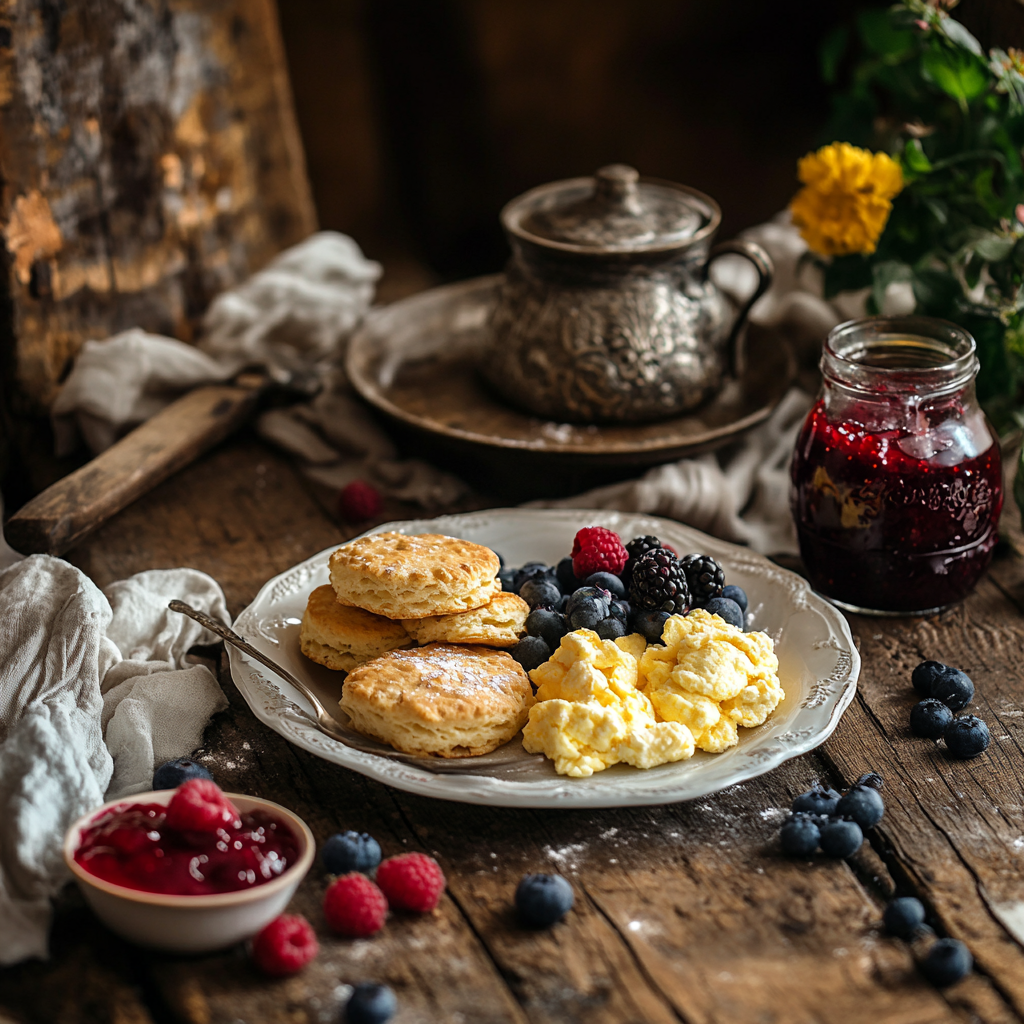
(502, 760)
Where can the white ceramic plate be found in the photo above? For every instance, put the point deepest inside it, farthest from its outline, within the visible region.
(818, 667)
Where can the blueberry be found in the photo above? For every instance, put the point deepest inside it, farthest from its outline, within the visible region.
(966, 736)
(528, 572)
(620, 610)
(872, 779)
(540, 591)
(841, 838)
(350, 851)
(171, 774)
(501, 559)
(930, 718)
(923, 677)
(903, 916)
(541, 900)
(862, 804)
(548, 625)
(566, 576)
(737, 594)
(953, 687)
(587, 607)
(725, 609)
(800, 835)
(606, 581)
(947, 962)
(610, 628)
(563, 601)
(650, 624)
(530, 652)
(370, 1004)
(507, 577)
(818, 800)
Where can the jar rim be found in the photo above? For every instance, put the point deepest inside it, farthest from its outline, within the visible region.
(900, 353)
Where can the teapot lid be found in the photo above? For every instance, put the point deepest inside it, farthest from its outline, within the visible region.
(612, 212)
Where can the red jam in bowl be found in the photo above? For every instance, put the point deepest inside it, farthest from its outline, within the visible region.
(133, 846)
(892, 520)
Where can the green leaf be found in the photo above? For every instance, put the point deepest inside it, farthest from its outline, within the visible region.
(992, 247)
(830, 55)
(958, 75)
(959, 36)
(914, 157)
(881, 36)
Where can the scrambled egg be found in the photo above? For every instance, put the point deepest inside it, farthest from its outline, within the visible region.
(590, 715)
(712, 678)
(601, 702)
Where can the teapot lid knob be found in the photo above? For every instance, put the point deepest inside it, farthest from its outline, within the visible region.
(615, 185)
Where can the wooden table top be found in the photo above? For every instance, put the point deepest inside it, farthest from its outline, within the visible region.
(686, 912)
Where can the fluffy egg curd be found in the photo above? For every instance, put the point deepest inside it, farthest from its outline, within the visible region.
(601, 702)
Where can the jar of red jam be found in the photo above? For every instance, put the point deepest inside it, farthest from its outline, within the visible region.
(896, 477)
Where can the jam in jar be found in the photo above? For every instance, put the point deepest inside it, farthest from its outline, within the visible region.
(896, 477)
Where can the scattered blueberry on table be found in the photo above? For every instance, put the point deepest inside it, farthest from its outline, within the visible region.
(817, 800)
(947, 962)
(350, 851)
(840, 838)
(930, 718)
(370, 1004)
(903, 916)
(171, 774)
(542, 900)
(966, 736)
(834, 823)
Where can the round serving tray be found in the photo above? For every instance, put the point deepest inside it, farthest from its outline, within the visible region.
(416, 361)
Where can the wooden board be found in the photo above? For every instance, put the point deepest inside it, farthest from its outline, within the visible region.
(684, 913)
(150, 159)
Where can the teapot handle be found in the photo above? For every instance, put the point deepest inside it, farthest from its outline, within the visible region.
(765, 271)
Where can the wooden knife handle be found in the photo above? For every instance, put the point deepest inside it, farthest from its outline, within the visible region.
(64, 513)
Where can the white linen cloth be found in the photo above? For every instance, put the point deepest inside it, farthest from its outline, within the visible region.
(94, 693)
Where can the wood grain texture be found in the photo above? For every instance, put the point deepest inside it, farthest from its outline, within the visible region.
(80, 502)
(150, 159)
(683, 913)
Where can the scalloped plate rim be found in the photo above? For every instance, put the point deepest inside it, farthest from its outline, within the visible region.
(272, 707)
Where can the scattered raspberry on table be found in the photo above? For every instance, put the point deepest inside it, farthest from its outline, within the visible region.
(411, 881)
(354, 906)
(285, 946)
(359, 501)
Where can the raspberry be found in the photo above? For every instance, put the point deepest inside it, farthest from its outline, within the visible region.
(596, 549)
(199, 806)
(354, 906)
(358, 501)
(285, 946)
(411, 881)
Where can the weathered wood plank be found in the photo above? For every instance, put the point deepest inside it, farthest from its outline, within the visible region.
(953, 830)
(150, 159)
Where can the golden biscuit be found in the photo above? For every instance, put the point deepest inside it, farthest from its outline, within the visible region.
(340, 637)
(498, 624)
(440, 699)
(412, 577)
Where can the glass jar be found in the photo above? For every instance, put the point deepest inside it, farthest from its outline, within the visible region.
(896, 477)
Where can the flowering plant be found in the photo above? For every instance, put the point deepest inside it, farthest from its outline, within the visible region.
(934, 201)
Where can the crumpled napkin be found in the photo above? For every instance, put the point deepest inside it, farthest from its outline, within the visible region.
(94, 693)
(291, 317)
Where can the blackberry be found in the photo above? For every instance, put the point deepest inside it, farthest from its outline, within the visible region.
(704, 576)
(659, 582)
(635, 548)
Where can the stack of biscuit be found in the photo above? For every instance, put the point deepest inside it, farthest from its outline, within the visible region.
(454, 697)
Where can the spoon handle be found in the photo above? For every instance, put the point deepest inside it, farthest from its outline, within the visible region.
(230, 636)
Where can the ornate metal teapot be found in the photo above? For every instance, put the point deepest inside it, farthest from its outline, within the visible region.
(607, 312)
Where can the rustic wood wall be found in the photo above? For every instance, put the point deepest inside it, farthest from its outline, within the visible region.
(149, 157)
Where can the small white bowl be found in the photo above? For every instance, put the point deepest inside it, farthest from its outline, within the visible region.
(190, 924)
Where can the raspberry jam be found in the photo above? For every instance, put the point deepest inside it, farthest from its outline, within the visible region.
(896, 476)
(132, 846)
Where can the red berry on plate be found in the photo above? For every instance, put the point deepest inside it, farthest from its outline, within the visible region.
(411, 881)
(285, 946)
(354, 906)
(596, 549)
(359, 501)
(199, 806)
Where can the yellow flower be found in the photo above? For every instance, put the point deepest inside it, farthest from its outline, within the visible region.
(845, 202)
